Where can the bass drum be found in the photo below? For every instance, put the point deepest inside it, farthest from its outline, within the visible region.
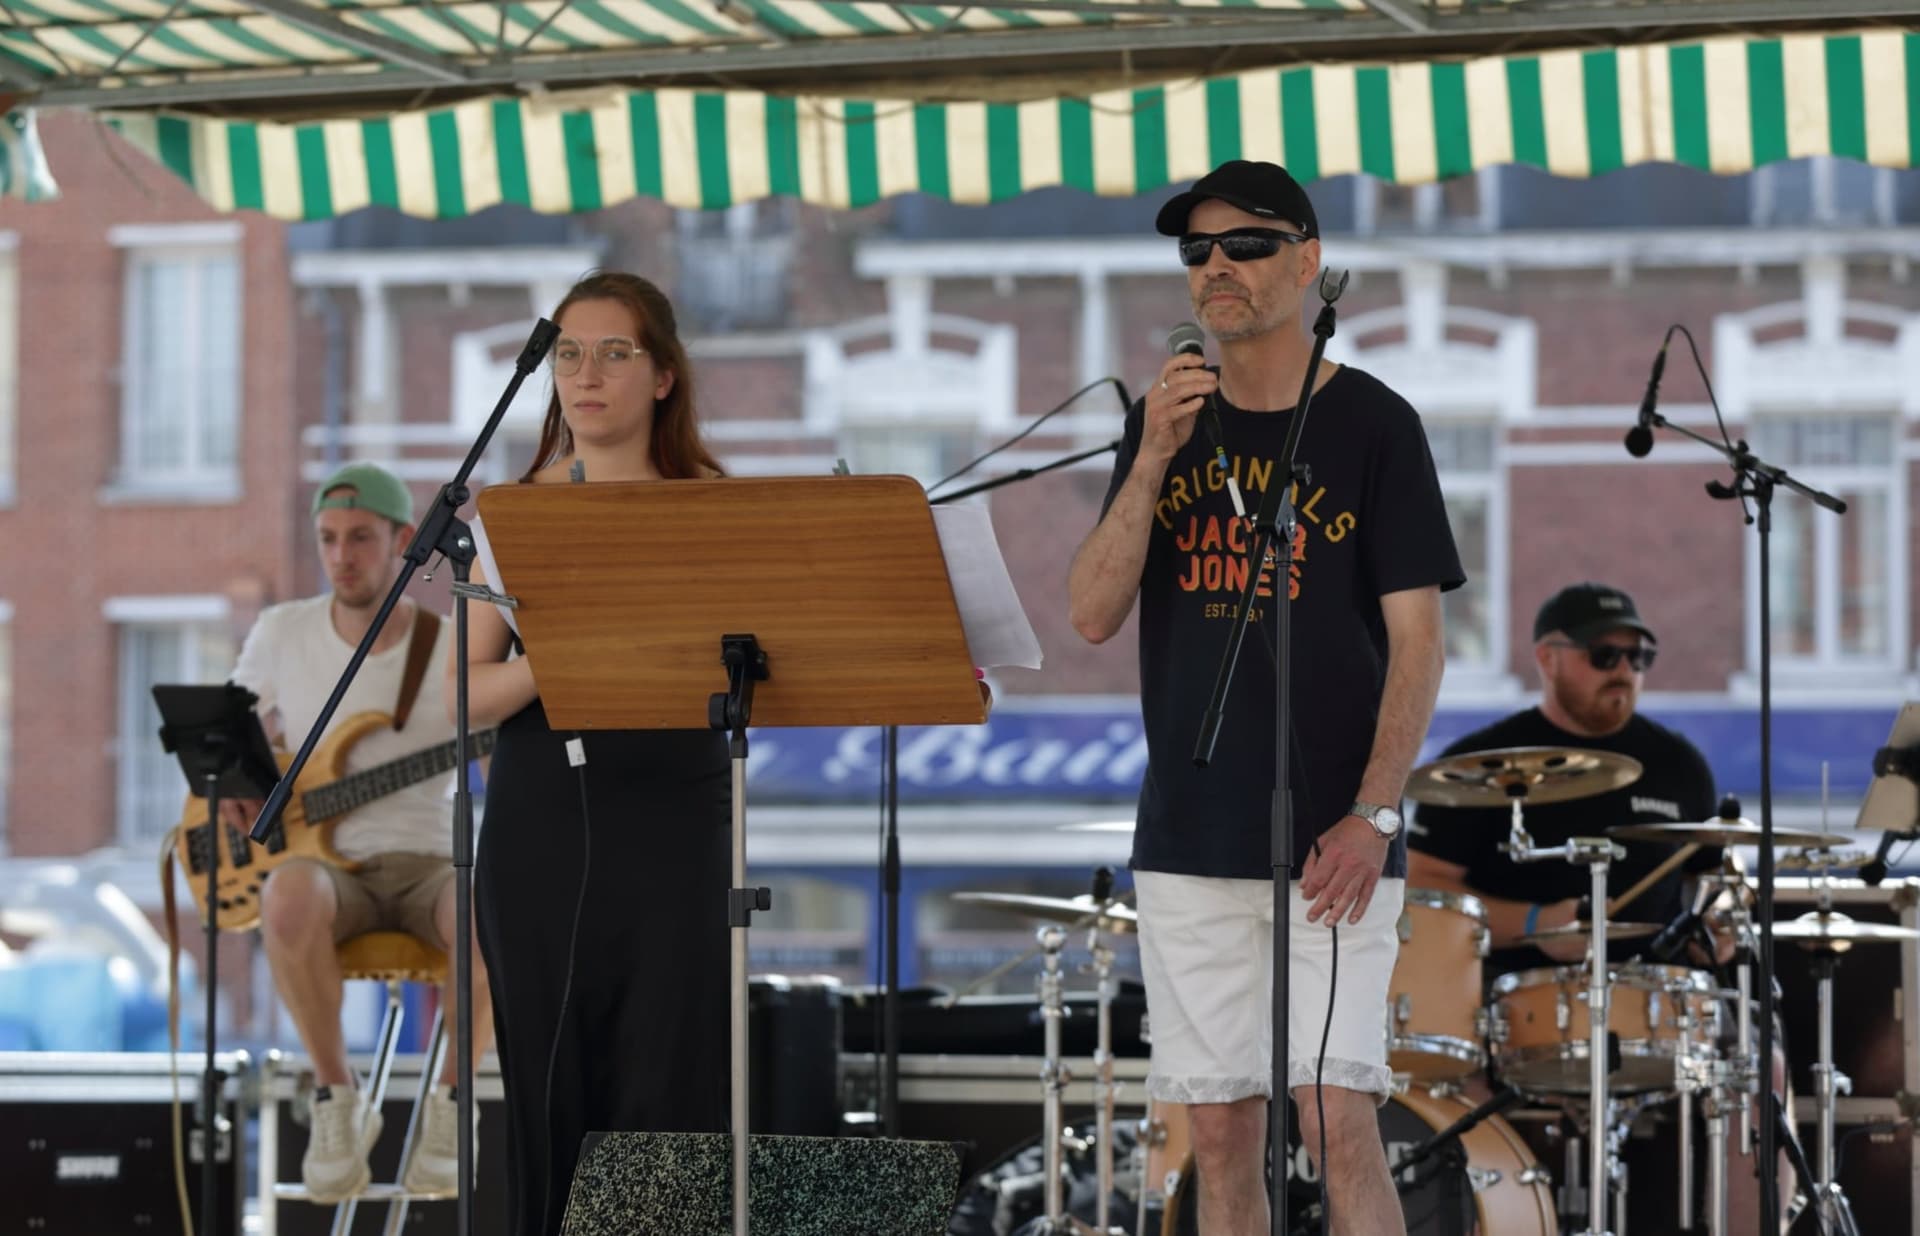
(1487, 1185)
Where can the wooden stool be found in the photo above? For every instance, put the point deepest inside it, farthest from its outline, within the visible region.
(393, 958)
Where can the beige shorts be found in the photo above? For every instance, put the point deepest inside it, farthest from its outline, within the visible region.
(1206, 950)
(389, 892)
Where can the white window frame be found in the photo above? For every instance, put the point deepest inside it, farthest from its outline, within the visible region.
(136, 613)
(1427, 199)
(1827, 372)
(198, 482)
(1829, 669)
(1488, 677)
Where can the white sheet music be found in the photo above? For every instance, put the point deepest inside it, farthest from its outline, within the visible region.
(996, 625)
(483, 558)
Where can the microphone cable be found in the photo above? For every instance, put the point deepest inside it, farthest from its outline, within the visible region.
(577, 756)
(1126, 402)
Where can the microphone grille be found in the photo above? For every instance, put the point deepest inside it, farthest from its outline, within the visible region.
(1186, 337)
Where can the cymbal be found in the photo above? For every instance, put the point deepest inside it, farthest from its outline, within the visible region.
(1836, 931)
(1067, 910)
(1580, 930)
(1099, 826)
(1494, 778)
(1726, 832)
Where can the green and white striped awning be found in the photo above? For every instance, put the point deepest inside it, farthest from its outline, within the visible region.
(1725, 105)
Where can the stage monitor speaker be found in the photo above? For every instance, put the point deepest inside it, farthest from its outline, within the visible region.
(86, 1142)
(681, 1184)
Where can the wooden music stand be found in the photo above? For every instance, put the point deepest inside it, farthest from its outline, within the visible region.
(811, 600)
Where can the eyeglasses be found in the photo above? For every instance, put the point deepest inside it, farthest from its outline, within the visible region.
(1242, 244)
(1606, 656)
(610, 355)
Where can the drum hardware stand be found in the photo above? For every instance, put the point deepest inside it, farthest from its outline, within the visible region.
(1835, 1212)
(1597, 855)
(1054, 1076)
(1104, 1088)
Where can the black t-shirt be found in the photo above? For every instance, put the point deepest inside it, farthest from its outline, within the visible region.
(1371, 522)
(1675, 784)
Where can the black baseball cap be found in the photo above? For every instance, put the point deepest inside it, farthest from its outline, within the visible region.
(1583, 611)
(1264, 189)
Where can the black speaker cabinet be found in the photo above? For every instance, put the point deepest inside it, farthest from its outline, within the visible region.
(86, 1142)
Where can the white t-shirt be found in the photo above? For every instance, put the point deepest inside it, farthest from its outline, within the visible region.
(292, 659)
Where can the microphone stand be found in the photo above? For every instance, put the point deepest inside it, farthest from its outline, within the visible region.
(1276, 518)
(1754, 478)
(890, 861)
(441, 531)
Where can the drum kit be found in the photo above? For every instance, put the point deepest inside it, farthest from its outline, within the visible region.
(1602, 1042)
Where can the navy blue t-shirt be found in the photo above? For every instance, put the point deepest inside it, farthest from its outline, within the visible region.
(1371, 522)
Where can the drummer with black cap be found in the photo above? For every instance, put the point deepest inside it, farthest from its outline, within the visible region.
(1593, 651)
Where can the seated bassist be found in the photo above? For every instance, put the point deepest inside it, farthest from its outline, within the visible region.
(399, 845)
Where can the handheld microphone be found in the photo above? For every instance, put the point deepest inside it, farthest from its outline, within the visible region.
(1188, 339)
(1639, 439)
(1876, 870)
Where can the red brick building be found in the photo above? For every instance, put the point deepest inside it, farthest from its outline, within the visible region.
(183, 378)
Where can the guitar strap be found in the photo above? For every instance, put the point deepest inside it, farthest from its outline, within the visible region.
(426, 632)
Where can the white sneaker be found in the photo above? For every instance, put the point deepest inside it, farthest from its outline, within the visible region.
(343, 1132)
(436, 1154)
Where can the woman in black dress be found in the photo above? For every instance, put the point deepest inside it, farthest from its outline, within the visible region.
(623, 1028)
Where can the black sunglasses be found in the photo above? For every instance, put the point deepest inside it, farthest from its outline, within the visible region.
(1605, 656)
(1242, 244)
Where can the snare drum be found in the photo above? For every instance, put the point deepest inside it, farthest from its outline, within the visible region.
(1435, 1021)
(1539, 1025)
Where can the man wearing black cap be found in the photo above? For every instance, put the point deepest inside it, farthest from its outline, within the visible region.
(1593, 650)
(1371, 555)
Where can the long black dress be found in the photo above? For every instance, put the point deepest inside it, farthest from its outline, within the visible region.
(644, 1047)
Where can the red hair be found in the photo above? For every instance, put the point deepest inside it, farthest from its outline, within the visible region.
(677, 450)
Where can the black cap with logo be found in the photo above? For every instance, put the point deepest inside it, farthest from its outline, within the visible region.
(1264, 189)
(1582, 611)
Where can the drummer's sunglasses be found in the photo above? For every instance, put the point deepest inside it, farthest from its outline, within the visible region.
(1242, 244)
(1604, 657)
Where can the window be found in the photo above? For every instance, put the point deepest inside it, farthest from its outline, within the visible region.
(1821, 190)
(734, 265)
(926, 452)
(1837, 580)
(192, 646)
(180, 367)
(1474, 482)
(1459, 203)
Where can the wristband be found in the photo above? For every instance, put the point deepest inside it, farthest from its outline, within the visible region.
(1533, 920)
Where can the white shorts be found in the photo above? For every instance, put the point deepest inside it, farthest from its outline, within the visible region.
(1205, 951)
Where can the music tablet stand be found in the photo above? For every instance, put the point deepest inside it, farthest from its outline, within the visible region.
(820, 601)
(225, 754)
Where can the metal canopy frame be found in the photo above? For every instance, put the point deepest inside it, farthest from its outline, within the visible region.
(1015, 49)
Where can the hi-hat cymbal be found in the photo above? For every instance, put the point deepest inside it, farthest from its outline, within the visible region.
(1833, 930)
(1494, 778)
(1721, 831)
(1068, 910)
(1581, 929)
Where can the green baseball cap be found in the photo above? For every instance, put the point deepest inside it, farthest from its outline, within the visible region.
(374, 489)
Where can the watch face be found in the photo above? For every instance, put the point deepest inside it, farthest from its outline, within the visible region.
(1386, 821)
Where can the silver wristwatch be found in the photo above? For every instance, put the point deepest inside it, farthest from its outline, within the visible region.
(1385, 820)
